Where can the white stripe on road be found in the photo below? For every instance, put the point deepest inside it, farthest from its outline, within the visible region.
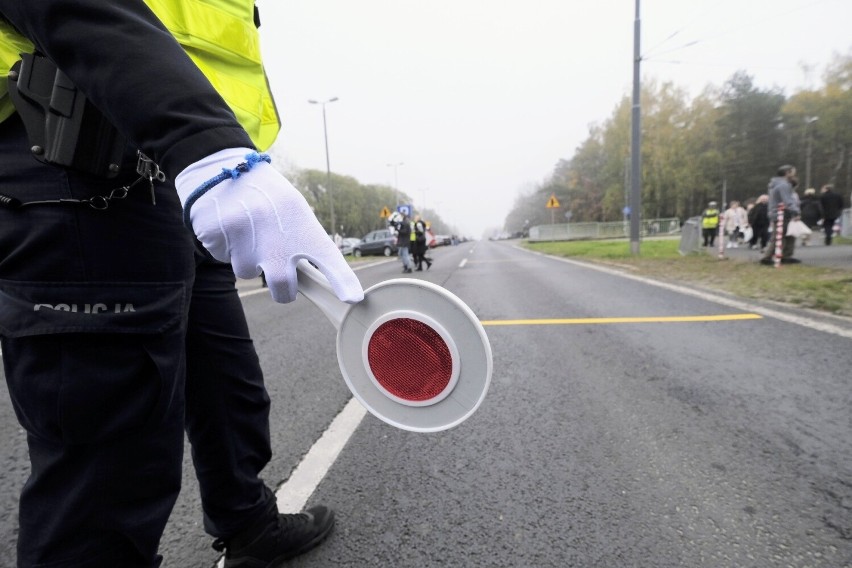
(253, 292)
(295, 492)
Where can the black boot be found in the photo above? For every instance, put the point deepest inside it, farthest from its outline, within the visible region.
(276, 539)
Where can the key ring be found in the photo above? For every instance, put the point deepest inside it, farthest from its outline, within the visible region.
(101, 202)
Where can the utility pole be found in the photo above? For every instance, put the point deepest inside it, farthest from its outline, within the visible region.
(810, 142)
(395, 167)
(327, 161)
(635, 141)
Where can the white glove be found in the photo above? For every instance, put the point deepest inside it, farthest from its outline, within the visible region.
(251, 216)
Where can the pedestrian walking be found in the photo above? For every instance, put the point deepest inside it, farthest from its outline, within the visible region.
(812, 213)
(420, 246)
(832, 207)
(758, 219)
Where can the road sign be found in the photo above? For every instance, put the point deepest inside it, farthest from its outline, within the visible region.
(384, 213)
(404, 209)
(552, 203)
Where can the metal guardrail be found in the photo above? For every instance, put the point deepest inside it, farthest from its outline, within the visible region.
(690, 232)
(619, 229)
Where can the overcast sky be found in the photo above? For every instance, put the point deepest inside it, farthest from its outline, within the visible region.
(479, 99)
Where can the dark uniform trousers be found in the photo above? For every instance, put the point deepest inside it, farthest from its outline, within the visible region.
(117, 333)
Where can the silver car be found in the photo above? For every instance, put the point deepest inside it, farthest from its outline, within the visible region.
(347, 246)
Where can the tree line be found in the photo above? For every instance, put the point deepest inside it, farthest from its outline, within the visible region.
(357, 207)
(727, 142)
(722, 145)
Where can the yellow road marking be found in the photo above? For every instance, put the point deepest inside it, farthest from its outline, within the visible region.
(662, 319)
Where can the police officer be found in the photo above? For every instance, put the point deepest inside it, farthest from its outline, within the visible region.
(710, 223)
(419, 245)
(119, 316)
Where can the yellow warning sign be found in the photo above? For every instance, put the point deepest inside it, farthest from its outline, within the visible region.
(384, 213)
(552, 203)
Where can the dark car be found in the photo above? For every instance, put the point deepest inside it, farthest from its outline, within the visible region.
(382, 241)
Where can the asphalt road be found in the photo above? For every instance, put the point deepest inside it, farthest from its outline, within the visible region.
(627, 424)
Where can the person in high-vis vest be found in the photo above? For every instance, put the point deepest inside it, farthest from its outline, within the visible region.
(710, 223)
(418, 232)
(131, 194)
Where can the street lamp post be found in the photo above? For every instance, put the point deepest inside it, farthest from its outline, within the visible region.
(808, 122)
(327, 160)
(395, 167)
(423, 205)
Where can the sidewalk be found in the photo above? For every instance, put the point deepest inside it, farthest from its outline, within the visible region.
(815, 254)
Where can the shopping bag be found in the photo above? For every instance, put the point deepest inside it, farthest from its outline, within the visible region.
(798, 229)
(748, 233)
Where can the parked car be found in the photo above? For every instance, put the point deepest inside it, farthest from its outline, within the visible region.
(442, 240)
(382, 241)
(347, 246)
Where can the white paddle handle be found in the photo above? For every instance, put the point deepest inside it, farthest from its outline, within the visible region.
(314, 286)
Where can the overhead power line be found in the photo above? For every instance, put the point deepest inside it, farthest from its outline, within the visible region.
(726, 31)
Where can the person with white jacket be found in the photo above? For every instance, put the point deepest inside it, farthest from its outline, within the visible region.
(735, 223)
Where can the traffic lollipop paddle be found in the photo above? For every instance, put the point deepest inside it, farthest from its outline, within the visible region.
(411, 352)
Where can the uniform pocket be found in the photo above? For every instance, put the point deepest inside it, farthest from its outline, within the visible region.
(89, 363)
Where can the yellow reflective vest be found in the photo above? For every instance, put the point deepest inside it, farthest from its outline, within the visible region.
(220, 36)
(710, 218)
(12, 44)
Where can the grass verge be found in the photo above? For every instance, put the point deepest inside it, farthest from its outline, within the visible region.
(824, 289)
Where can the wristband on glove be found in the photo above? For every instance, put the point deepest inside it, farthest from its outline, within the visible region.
(251, 160)
(259, 222)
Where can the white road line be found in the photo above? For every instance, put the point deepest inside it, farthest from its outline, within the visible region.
(463, 262)
(253, 292)
(296, 491)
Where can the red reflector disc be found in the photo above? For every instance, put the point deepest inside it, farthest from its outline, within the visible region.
(409, 359)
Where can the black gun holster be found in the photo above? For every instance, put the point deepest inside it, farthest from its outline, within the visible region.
(64, 128)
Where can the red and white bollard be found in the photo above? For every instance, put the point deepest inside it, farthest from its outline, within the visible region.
(779, 235)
